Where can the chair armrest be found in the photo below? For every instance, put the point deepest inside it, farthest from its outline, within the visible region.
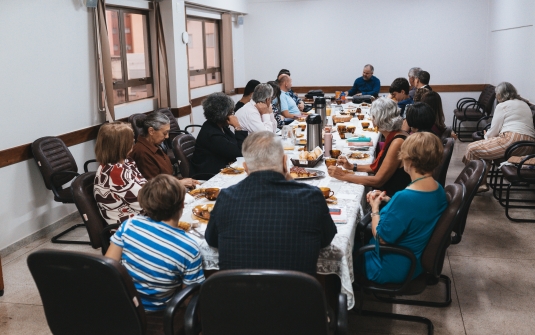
(519, 170)
(341, 321)
(105, 235)
(191, 322)
(510, 150)
(463, 100)
(173, 305)
(469, 104)
(484, 118)
(396, 250)
(190, 126)
(58, 174)
(87, 163)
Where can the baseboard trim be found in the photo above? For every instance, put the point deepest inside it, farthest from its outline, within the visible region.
(38, 234)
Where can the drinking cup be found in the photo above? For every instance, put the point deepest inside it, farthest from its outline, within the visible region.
(330, 161)
(327, 193)
(335, 153)
(360, 116)
(351, 129)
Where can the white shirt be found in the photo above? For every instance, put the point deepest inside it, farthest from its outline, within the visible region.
(252, 121)
(511, 116)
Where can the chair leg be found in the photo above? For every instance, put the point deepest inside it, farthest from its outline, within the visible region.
(444, 303)
(56, 239)
(509, 206)
(402, 317)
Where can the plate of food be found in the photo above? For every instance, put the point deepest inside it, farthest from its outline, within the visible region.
(302, 141)
(359, 155)
(301, 173)
(196, 192)
(232, 170)
(203, 211)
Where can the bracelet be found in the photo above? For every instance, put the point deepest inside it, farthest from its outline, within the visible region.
(354, 167)
(374, 214)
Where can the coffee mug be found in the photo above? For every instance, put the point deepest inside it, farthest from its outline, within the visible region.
(335, 153)
(211, 193)
(351, 129)
(365, 125)
(360, 116)
(327, 193)
(330, 161)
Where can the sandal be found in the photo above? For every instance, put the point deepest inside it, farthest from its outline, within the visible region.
(483, 189)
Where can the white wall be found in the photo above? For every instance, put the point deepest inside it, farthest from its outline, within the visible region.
(512, 44)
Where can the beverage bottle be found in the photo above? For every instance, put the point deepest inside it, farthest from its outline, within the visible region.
(343, 97)
(327, 145)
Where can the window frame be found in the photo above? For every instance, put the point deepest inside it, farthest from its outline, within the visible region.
(126, 83)
(206, 71)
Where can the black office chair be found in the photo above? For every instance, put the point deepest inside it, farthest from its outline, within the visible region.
(470, 109)
(432, 261)
(440, 172)
(184, 147)
(263, 302)
(91, 294)
(58, 167)
(471, 177)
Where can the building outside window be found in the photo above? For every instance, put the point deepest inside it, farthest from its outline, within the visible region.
(203, 52)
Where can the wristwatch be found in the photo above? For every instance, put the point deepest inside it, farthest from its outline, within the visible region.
(354, 167)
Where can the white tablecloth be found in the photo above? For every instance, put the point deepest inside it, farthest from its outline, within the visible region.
(334, 259)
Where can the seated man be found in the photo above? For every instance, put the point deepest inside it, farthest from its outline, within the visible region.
(158, 255)
(257, 115)
(399, 90)
(422, 80)
(412, 76)
(268, 221)
(289, 108)
(298, 101)
(368, 84)
(247, 93)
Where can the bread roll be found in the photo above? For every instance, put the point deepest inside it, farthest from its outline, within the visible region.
(311, 156)
(303, 155)
(317, 151)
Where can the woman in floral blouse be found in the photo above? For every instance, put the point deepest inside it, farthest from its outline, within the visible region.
(117, 181)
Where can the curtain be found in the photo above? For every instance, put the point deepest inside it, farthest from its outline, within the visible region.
(162, 82)
(227, 61)
(104, 60)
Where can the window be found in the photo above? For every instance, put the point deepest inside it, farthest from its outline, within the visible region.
(203, 52)
(128, 34)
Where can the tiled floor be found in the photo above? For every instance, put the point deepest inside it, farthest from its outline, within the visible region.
(492, 269)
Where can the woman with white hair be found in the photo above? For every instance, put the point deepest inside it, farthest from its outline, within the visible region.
(257, 115)
(386, 171)
(512, 122)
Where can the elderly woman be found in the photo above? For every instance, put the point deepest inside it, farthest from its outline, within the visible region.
(117, 181)
(386, 172)
(217, 146)
(512, 122)
(419, 117)
(257, 115)
(398, 223)
(147, 153)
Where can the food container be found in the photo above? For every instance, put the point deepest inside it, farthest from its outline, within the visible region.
(306, 163)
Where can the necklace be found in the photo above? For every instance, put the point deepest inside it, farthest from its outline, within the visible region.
(415, 180)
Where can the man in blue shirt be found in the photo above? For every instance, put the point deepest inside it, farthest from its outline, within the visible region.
(399, 90)
(289, 108)
(368, 84)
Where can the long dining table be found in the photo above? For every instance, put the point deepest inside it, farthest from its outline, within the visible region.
(337, 257)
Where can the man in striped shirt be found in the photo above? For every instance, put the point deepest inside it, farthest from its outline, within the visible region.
(158, 255)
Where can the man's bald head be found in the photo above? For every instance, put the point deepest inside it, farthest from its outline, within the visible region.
(285, 82)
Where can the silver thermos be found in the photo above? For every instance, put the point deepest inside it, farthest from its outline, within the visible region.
(314, 126)
(320, 107)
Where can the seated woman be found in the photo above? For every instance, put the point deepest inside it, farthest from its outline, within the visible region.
(247, 94)
(257, 115)
(420, 117)
(117, 181)
(512, 122)
(151, 160)
(434, 101)
(158, 255)
(217, 146)
(398, 223)
(386, 172)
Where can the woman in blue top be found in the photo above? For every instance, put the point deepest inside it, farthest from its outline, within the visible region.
(410, 216)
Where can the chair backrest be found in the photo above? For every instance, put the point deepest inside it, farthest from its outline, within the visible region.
(446, 133)
(435, 251)
(471, 177)
(440, 172)
(262, 302)
(133, 119)
(183, 147)
(86, 294)
(82, 192)
(52, 156)
(486, 98)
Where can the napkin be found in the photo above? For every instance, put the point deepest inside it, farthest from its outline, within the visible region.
(188, 199)
(359, 144)
(359, 139)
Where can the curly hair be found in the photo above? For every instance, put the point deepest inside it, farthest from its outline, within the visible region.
(217, 107)
(385, 113)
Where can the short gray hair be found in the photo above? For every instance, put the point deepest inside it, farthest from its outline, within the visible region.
(217, 107)
(262, 92)
(385, 113)
(414, 71)
(263, 151)
(155, 120)
(370, 66)
(506, 91)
